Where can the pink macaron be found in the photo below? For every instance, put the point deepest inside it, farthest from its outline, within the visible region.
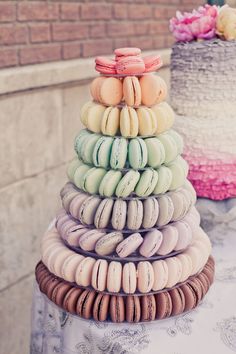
(132, 65)
(105, 65)
(126, 52)
(152, 63)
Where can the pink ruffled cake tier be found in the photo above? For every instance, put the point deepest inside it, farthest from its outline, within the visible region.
(215, 180)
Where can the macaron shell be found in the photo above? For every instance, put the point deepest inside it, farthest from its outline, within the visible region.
(88, 209)
(103, 213)
(129, 123)
(166, 210)
(156, 152)
(150, 212)
(114, 276)
(118, 153)
(174, 271)
(111, 91)
(129, 245)
(164, 180)
(84, 270)
(99, 275)
(170, 239)
(129, 278)
(110, 121)
(127, 184)
(132, 91)
(148, 305)
(146, 183)
(92, 179)
(117, 309)
(100, 307)
(92, 124)
(134, 214)
(90, 238)
(153, 88)
(119, 213)
(160, 269)
(107, 244)
(151, 243)
(133, 309)
(137, 153)
(109, 183)
(163, 305)
(178, 301)
(145, 277)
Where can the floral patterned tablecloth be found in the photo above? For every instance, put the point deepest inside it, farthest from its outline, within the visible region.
(209, 329)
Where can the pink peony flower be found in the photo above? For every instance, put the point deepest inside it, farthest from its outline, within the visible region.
(198, 24)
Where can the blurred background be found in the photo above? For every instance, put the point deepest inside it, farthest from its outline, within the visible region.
(46, 65)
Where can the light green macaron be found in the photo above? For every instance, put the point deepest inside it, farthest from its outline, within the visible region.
(156, 152)
(127, 184)
(109, 183)
(170, 146)
(86, 150)
(146, 183)
(73, 165)
(91, 180)
(102, 151)
(118, 153)
(164, 180)
(79, 174)
(137, 153)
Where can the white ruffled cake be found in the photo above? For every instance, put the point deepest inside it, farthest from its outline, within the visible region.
(203, 96)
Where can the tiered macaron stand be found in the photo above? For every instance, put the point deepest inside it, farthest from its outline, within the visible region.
(117, 272)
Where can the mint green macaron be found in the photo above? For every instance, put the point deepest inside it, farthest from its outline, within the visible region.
(79, 140)
(146, 183)
(73, 165)
(170, 146)
(91, 179)
(86, 149)
(137, 153)
(79, 174)
(178, 139)
(109, 183)
(156, 152)
(164, 180)
(102, 151)
(127, 184)
(118, 153)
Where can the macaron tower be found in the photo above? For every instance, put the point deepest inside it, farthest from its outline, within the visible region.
(127, 244)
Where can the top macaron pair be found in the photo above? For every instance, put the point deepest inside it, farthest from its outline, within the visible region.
(128, 61)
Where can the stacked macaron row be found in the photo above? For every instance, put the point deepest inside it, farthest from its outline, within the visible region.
(127, 240)
(104, 307)
(174, 237)
(132, 214)
(127, 121)
(126, 182)
(128, 61)
(119, 152)
(127, 277)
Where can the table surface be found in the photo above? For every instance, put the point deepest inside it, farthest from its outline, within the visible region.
(209, 329)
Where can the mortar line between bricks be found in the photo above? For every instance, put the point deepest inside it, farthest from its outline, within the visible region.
(32, 176)
(16, 282)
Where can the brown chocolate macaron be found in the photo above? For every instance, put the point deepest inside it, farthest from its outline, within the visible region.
(190, 297)
(163, 305)
(205, 282)
(59, 293)
(85, 304)
(209, 272)
(117, 309)
(100, 307)
(178, 301)
(71, 299)
(51, 285)
(133, 309)
(197, 289)
(43, 283)
(148, 308)
(41, 274)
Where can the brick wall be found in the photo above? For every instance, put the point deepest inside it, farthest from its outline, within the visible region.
(42, 31)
